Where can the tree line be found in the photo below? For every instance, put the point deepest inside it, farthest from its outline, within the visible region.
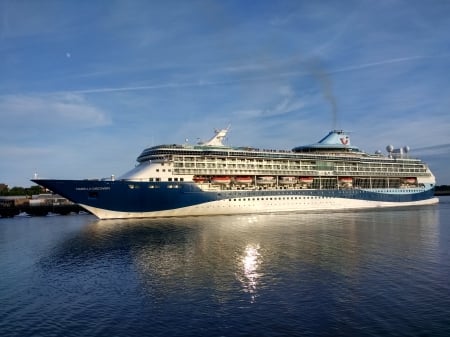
(442, 190)
(16, 190)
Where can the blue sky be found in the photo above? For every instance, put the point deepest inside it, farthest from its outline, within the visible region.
(86, 85)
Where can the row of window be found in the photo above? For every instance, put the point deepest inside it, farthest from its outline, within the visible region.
(151, 186)
(295, 173)
(164, 170)
(233, 157)
(300, 170)
(169, 179)
(296, 163)
(402, 190)
(276, 198)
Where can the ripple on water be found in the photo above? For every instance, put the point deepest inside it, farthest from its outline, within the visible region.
(342, 273)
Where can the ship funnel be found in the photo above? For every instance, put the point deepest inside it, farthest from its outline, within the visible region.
(336, 137)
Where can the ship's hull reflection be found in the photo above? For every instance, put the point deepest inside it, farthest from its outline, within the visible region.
(229, 258)
(225, 257)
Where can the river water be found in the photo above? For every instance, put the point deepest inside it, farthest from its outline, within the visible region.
(365, 273)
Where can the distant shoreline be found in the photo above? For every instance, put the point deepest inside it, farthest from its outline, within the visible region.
(441, 193)
(442, 190)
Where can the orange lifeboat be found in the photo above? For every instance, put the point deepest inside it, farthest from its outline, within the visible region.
(306, 180)
(410, 180)
(200, 179)
(243, 180)
(345, 182)
(220, 180)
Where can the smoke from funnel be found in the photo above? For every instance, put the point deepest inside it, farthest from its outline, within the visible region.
(318, 71)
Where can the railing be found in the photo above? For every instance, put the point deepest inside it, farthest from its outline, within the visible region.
(226, 171)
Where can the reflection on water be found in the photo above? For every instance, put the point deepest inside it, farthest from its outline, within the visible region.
(235, 255)
(250, 261)
(260, 274)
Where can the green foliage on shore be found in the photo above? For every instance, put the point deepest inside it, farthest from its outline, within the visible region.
(16, 190)
(442, 190)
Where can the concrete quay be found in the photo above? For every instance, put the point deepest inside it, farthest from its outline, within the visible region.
(38, 205)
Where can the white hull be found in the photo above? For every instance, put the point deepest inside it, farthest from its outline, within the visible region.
(250, 205)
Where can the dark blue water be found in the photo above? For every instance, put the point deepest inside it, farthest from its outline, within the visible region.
(367, 273)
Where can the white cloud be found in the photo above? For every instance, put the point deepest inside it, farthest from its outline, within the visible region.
(286, 105)
(66, 110)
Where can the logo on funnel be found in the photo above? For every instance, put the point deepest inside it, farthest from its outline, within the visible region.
(345, 140)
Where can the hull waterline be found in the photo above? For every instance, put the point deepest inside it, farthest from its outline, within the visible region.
(115, 199)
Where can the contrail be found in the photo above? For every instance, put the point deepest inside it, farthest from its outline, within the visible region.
(135, 88)
(376, 64)
(158, 86)
(249, 79)
(432, 147)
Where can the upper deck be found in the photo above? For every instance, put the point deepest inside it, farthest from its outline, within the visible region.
(333, 155)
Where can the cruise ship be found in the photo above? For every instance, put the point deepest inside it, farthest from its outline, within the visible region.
(213, 178)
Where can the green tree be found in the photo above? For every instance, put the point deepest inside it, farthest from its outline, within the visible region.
(17, 190)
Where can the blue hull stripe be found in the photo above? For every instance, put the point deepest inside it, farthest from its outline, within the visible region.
(125, 196)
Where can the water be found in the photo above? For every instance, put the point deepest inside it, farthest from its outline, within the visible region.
(367, 273)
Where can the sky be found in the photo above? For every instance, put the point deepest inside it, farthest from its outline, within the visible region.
(85, 86)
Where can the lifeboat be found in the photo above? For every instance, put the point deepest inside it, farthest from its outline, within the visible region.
(346, 182)
(265, 180)
(221, 180)
(200, 179)
(410, 181)
(243, 180)
(306, 180)
(288, 180)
